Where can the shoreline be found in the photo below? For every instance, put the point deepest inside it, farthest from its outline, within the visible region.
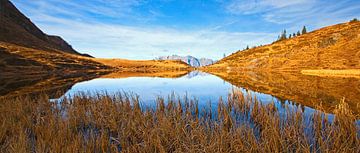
(347, 73)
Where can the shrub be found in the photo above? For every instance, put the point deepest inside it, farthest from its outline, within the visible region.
(354, 20)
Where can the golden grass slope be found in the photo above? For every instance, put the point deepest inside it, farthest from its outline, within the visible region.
(22, 60)
(16, 60)
(333, 47)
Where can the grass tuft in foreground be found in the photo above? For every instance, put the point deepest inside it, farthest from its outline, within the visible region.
(106, 123)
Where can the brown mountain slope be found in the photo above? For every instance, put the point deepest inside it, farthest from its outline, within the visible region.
(16, 28)
(333, 47)
(18, 60)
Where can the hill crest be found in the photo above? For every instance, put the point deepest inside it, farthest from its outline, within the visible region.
(332, 47)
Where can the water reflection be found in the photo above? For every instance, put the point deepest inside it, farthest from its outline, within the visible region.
(311, 91)
(196, 85)
(292, 89)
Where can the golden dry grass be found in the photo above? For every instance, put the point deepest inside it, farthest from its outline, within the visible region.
(355, 73)
(106, 123)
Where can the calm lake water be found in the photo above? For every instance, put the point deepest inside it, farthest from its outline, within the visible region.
(284, 89)
(203, 87)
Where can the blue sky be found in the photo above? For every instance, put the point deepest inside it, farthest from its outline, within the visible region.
(145, 29)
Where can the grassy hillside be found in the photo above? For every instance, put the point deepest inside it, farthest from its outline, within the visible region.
(18, 60)
(333, 47)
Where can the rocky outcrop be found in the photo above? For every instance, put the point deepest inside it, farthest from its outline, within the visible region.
(206, 61)
(192, 61)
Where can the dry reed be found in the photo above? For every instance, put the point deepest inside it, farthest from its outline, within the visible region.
(105, 123)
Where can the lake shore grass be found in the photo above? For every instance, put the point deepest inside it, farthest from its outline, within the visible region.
(113, 123)
(355, 73)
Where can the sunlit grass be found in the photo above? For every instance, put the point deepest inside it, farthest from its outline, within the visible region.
(105, 123)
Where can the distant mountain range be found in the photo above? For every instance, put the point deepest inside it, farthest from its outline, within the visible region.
(192, 61)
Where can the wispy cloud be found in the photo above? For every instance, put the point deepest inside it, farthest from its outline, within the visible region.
(141, 29)
(106, 40)
(113, 40)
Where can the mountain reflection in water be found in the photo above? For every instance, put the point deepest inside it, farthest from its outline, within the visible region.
(306, 91)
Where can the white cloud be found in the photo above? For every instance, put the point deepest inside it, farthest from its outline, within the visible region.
(85, 32)
(102, 39)
(80, 24)
(106, 40)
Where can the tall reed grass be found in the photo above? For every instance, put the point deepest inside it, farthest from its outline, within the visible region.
(114, 123)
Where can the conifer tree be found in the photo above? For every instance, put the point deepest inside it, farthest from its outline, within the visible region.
(289, 36)
(283, 35)
(247, 47)
(304, 30)
(294, 35)
(298, 33)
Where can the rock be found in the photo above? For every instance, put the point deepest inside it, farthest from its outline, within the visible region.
(192, 61)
